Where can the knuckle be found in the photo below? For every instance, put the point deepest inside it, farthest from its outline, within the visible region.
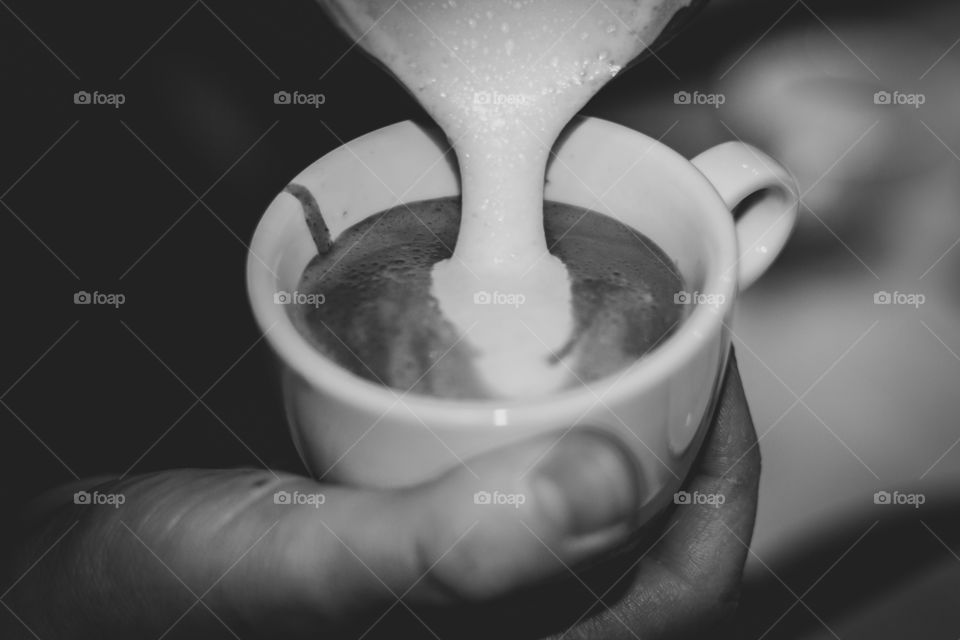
(467, 563)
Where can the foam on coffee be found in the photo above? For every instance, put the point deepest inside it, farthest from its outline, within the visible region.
(502, 78)
(379, 320)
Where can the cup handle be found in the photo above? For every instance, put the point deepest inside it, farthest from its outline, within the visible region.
(745, 176)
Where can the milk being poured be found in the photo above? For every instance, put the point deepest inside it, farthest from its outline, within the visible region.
(502, 78)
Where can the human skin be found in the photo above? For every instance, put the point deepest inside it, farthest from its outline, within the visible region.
(197, 552)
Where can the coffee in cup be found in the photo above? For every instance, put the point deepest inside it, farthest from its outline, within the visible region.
(365, 300)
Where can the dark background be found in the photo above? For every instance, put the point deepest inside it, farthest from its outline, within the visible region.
(158, 199)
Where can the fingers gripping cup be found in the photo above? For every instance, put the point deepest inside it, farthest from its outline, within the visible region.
(356, 431)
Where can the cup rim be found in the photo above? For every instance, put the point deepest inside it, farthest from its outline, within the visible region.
(694, 334)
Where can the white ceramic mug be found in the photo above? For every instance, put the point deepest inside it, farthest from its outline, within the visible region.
(355, 431)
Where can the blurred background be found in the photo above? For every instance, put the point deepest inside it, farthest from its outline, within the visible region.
(152, 188)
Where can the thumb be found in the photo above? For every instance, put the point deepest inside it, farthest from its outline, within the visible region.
(191, 541)
(508, 520)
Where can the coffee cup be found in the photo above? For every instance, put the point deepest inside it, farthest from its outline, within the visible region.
(351, 430)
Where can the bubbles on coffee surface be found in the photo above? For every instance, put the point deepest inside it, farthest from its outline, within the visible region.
(380, 321)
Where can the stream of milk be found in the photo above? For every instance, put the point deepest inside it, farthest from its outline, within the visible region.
(502, 78)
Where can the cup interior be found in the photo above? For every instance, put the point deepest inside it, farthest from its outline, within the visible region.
(597, 165)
